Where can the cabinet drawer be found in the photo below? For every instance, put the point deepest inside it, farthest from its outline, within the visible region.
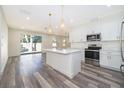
(118, 53)
(115, 61)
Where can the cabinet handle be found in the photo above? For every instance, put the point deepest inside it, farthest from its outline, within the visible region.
(107, 57)
(110, 57)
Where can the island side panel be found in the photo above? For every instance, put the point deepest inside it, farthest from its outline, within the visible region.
(68, 64)
(59, 62)
(75, 63)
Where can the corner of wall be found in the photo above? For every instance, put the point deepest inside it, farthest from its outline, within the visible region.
(3, 42)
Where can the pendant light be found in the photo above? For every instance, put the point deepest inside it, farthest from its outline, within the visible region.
(62, 23)
(50, 26)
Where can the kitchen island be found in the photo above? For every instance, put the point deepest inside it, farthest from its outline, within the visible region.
(67, 61)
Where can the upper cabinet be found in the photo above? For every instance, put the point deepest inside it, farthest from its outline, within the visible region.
(108, 26)
(110, 29)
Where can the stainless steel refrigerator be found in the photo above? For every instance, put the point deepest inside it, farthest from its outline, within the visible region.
(122, 47)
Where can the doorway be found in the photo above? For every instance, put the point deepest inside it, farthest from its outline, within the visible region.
(30, 43)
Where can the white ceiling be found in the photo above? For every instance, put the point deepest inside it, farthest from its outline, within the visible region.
(39, 19)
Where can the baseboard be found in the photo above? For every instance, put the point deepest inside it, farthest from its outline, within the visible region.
(3, 68)
(13, 56)
(110, 68)
(30, 53)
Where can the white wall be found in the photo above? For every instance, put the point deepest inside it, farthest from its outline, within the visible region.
(14, 40)
(3, 42)
(14, 43)
(49, 39)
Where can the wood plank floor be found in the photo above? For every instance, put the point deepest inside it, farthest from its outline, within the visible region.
(29, 71)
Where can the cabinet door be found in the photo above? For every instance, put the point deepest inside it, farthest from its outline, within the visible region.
(110, 30)
(104, 60)
(115, 61)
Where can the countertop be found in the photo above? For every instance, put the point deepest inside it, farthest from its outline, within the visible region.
(62, 51)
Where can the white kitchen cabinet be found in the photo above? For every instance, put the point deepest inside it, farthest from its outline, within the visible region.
(111, 60)
(109, 31)
(115, 61)
(110, 28)
(104, 60)
(67, 62)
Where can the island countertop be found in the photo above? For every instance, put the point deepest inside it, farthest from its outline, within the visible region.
(62, 51)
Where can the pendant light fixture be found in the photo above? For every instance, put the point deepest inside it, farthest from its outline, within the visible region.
(50, 26)
(62, 23)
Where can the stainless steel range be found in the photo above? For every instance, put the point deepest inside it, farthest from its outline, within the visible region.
(92, 54)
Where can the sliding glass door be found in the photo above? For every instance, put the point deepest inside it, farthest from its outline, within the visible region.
(30, 43)
(36, 43)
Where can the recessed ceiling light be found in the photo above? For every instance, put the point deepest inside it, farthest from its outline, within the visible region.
(28, 18)
(108, 5)
(56, 27)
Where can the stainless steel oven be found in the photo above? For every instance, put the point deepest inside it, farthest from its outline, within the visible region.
(92, 55)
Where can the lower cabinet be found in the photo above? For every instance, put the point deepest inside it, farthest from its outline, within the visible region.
(104, 60)
(111, 60)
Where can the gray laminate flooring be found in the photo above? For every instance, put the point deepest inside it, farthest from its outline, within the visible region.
(29, 71)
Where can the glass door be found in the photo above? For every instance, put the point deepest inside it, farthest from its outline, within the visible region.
(36, 43)
(25, 43)
(30, 43)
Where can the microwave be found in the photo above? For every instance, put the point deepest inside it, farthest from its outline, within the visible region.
(94, 37)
